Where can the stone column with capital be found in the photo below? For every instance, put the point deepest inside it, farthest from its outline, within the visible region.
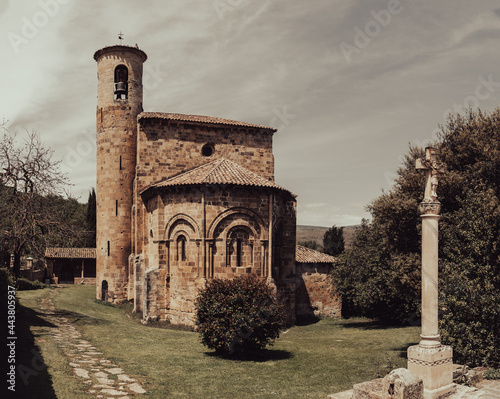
(429, 360)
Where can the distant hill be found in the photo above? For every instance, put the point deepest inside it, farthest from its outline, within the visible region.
(316, 233)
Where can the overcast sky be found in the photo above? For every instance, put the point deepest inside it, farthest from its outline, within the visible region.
(348, 83)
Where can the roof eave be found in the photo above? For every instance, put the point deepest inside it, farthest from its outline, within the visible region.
(149, 191)
(157, 116)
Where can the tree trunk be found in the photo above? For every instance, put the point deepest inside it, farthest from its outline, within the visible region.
(17, 264)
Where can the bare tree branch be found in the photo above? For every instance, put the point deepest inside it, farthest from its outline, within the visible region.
(30, 182)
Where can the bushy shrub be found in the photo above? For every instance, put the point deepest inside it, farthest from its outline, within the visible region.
(380, 275)
(492, 374)
(238, 316)
(25, 284)
(375, 283)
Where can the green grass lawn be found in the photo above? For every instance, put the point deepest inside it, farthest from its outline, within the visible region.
(309, 361)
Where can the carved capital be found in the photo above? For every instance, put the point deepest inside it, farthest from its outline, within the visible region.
(432, 207)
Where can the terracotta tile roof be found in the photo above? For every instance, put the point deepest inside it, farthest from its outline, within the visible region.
(220, 171)
(199, 119)
(71, 253)
(307, 255)
(121, 47)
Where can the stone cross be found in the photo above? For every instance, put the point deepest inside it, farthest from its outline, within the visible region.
(430, 360)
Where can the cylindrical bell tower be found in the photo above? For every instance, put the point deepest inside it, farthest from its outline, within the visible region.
(119, 101)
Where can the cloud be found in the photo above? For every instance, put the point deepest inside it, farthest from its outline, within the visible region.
(315, 205)
(351, 122)
(481, 23)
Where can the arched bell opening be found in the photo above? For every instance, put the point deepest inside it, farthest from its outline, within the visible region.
(121, 82)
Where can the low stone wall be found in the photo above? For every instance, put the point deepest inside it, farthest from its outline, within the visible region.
(315, 296)
(154, 295)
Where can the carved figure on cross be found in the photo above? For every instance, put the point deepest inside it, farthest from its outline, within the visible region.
(432, 168)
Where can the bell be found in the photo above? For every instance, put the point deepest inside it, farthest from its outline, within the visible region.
(120, 88)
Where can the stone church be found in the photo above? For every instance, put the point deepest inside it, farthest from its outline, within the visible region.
(182, 199)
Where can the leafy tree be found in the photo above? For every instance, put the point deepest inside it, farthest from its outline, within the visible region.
(380, 275)
(310, 244)
(239, 316)
(333, 241)
(470, 244)
(470, 275)
(72, 231)
(90, 218)
(375, 282)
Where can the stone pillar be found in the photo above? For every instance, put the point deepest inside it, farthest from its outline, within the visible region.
(430, 332)
(429, 360)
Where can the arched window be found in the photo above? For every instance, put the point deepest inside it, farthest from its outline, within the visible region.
(239, 242)
(121, 82)
(239, 250)
(181, 248)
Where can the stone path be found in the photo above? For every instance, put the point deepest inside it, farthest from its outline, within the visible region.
(491, 388)
(103, 378)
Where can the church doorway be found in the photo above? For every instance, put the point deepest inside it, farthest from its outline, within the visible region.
(104, 290)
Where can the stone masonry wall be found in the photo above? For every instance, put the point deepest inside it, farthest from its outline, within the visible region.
(284, 244)
(315, 296)
(166, 148)
(116, 155)
(193, 236)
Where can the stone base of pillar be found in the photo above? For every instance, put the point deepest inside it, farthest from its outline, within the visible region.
(435, 367)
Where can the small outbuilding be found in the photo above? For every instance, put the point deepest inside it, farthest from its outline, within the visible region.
(314, 295)
(71, 265)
